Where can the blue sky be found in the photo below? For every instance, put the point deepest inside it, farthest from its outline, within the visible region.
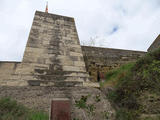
(122, 24)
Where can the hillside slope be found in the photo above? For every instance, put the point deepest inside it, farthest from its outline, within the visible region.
(135, 88)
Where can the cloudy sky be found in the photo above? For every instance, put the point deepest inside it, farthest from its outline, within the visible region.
(123, 24)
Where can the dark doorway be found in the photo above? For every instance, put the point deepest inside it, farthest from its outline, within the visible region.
(98, 76)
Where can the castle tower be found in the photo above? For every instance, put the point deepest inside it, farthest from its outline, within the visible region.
(53, 55)
(155, 44)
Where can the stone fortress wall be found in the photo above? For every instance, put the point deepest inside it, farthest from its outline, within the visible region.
(155, 44)
(101, 60)
(56, 66)
(54, 57)
(7, 69)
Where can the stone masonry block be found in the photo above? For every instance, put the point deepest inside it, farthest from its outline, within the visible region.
(79, 63)
(74, 68)
(75, 54)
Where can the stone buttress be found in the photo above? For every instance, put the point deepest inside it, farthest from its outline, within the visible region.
(53, 55)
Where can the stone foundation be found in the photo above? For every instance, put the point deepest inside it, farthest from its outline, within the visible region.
(39, 98)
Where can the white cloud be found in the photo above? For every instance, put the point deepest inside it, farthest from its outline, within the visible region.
(137, 21)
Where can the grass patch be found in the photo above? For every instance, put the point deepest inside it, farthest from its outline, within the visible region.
(113, 76)
(11, 110)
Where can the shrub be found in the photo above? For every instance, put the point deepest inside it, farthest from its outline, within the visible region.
(132, 80)
(123, 114)
(11, 110)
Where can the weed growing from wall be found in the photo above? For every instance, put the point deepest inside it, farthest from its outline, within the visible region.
(91, 108)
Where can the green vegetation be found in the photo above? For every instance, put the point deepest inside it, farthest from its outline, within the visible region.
(82, 104)
(97, 98)
(106, 115)
(113, 76)
(133, 85)
(152, 118)
(90, 107)
(11, 110)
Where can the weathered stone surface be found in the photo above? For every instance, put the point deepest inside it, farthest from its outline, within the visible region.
(101, 60)
(74, 68)
(53, 63)
(40, 98)
(52, 44)
(155, 44)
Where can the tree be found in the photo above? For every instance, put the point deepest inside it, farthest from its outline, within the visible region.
(94, 41)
